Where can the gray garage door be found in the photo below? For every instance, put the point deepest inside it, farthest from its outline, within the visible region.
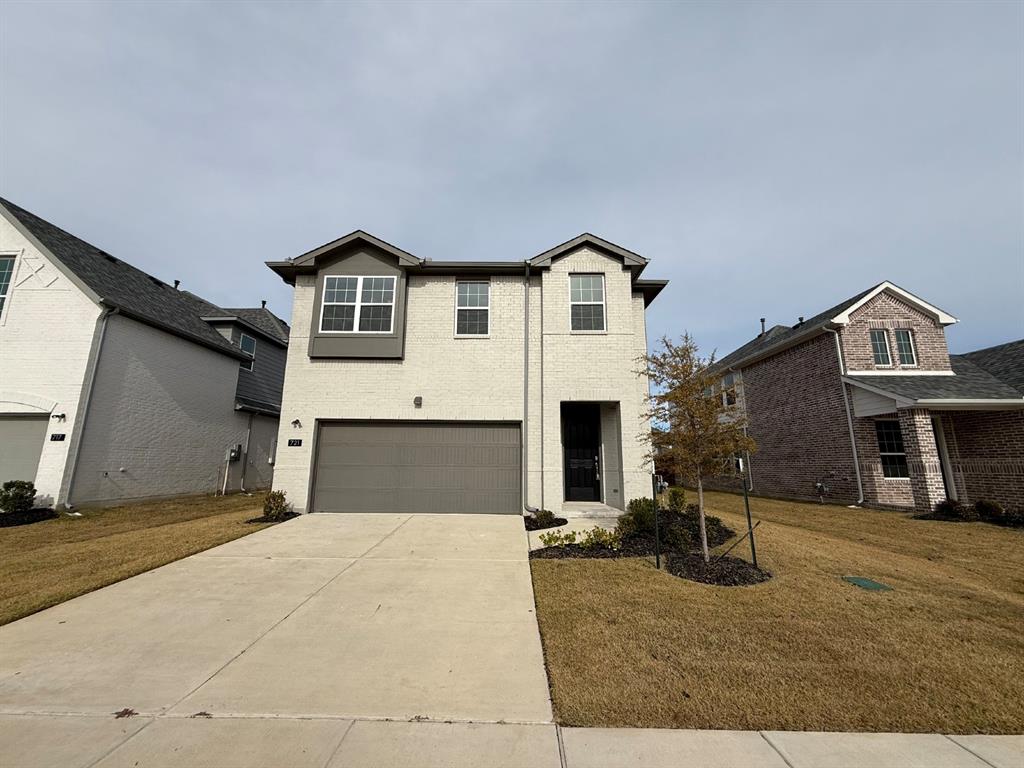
(21, 442)
(417, 467)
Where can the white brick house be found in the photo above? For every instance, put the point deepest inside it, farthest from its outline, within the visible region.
(418, 385)
(116, 386)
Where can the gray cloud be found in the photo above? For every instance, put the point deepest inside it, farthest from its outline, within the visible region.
(771, 159)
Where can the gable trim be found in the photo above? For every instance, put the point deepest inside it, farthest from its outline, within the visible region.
(404, 257)
(941, 317)
(629, 259)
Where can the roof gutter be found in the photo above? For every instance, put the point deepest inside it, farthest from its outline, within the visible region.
(849, 415)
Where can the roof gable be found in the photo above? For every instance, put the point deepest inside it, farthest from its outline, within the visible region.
(117, 284)
(359, 236)
(943, 318)
(628, 258)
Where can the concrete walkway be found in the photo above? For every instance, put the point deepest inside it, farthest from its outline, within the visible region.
(351, 640)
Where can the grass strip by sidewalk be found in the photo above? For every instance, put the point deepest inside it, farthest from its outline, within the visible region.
(46, 563)
(627, 645)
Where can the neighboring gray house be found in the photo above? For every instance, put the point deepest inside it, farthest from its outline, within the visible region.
(443, 386)
(117, 386)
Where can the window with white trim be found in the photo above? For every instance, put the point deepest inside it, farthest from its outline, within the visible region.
(880, 347)
(905, 346)
(891, 450)
(472, 308)
(357, 304)
(248, 345)
(729, 389)
(586, 302)
(6, 273)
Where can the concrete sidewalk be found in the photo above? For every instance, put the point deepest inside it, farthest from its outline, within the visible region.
(53, 741)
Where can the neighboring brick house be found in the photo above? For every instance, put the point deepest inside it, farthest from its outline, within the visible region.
(864, 404)
(453, 386)
(117, 386)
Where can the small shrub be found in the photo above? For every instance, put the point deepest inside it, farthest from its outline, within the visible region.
(678, 539)
(948, 509)
(677, 499)
(558, 539)
(990, 511)
(17, 496)
(276, 506)
(600, 538)
(638, 518)
(545, 518)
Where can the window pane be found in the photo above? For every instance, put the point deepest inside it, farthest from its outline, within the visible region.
(377, 290)
(247, 344)
(587, 317)
(890, 437)
(471, 322)
(586, 288)
(905, 347)
(338, 317)
(880, 347)
(895, 465)
(340, 290)
(473, 294)
(374, 318)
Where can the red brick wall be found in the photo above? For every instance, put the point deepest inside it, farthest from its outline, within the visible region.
(796, 414)
(888, 312)
(987, 452)
(887, 492)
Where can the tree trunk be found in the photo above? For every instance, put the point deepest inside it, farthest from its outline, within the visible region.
(700, 516)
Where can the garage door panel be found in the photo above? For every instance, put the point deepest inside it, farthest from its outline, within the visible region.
(21, 445)
(418, 467)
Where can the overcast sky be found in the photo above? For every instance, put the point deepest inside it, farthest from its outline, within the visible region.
(770, 159)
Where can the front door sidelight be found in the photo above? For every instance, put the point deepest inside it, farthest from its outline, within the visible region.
(581, 444)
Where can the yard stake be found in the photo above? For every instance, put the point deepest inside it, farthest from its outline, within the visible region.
(746, 504)
(657, 537)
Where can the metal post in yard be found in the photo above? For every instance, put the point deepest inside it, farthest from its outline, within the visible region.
(657, 536)
(746, 504)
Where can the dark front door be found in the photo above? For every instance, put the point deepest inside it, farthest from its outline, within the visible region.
(581, 442)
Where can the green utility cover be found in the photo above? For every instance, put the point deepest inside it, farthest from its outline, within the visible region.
(860, 581)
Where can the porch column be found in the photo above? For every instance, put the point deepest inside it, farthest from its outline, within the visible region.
(922, 458)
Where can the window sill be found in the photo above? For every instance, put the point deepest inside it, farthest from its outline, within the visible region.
(472, 336)
(897, 479)
(588, 333)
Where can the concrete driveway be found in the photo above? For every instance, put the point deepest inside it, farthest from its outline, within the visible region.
(275, 648)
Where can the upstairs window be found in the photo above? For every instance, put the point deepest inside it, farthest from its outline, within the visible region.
(905, 347)
(472, 308)
(729, 389)
(6, 272)
(891, 450)
(248, 345)
(586, 302)
(880, 347)
(357, 305)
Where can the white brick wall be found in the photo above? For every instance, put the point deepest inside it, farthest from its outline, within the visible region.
(46, 336)
(478, 379)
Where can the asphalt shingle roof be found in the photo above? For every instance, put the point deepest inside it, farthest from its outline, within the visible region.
(1005, 362)
(970, 382)
(780, 334)
(133, 291)
(264, 319)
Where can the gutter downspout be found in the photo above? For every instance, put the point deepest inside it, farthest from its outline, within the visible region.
(84, 408)
(849, 416)
(526, 388)
(245, 456)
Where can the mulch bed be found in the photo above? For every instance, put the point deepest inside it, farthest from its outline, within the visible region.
(265, 519)
(725, 572)
(532, 524)
(11, 519)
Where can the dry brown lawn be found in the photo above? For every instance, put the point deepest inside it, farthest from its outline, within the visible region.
(46, 563)
(627, 645)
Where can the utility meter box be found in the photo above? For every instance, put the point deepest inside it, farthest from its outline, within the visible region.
(235, 452)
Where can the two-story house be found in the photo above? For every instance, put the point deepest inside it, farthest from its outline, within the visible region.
(863, 404)
(453, 386)
(116, 386)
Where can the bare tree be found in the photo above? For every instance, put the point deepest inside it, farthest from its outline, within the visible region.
(693, 430)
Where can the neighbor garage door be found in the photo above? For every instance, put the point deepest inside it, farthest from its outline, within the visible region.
(21, 442)
(417, 467)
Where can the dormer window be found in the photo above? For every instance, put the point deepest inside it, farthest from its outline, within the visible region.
(357, 305)
(880, 347)
(905, 347)
(248, 345)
